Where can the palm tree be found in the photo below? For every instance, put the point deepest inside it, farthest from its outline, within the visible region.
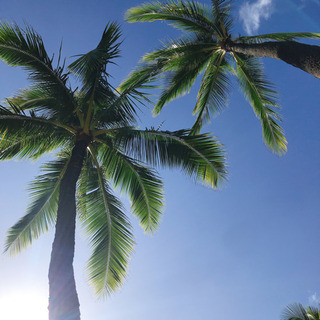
(296, 311)
(92, 128)
(208, 46)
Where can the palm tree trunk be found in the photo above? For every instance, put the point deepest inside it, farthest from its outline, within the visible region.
(63, 297)
(303, 56)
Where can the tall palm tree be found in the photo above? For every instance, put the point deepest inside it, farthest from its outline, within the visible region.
(296, 311)
(92, 128)
(208, 46)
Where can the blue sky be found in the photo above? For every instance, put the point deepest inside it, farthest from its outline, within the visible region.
(248, 249)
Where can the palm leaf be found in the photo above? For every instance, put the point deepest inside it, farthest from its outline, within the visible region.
(262, 97)
(181, 81)
(141, 77)
(188, 15)
(91, 67)
(296, 311)
(42, 100)
(174, 52)
(221, 17)
(108, 229)
(15, 120)
(212, 96)
(32, 146)
(143, 186)
(41, 214)
(29, 136)
(200, 156)
(25, 48)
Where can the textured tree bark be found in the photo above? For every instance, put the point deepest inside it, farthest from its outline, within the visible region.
(303, 56)
(63, 297)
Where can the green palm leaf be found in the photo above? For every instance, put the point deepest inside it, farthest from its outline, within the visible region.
(200, 156)
(41, 214)
(15, 119)
(212, 96)
(29, 136)
(25, 48)
(91, 67)
(92, 64)
(262, 97)
(181, 81)
(108, 229)
(296, 311)
(142, 77)
(42, 100)
(188, 15)
(221, 16)
(33, 146)
(143, 186)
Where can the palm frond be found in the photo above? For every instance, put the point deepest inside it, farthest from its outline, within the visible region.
(41, 214)
(143, 186)
(290, 36)
(91, 67)
(14, 118)
(28, 136)
(221, 16)
(212, 96)
(25, 48)
(108, 228)
(187, 15)
(32, 146)
(131, 92)
(262, 97)
(185, 68)
(143, 77)
(186, 56)
(174, 52)
(296, 311)
(200, 156)
(43, 101)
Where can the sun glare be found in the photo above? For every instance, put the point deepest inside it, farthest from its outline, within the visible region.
(26, 306)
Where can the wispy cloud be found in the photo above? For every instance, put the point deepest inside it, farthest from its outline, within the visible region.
(314, 300)
(252, 13)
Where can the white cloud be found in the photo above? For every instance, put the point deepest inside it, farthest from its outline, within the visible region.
(314, 300)
(252, 13)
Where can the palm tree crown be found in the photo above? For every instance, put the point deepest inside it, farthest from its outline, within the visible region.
(209, 47)
(93, 129)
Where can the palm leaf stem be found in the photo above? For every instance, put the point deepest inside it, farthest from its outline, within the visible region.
(100, 132)
(80, 117)
(88, 116)
(3, 136)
